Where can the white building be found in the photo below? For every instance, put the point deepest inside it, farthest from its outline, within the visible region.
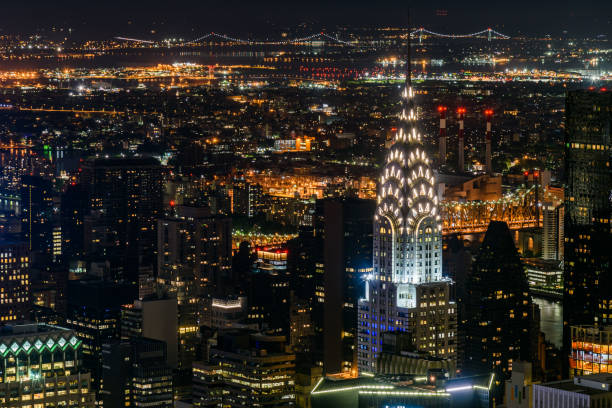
(591, 391)
(406, 291)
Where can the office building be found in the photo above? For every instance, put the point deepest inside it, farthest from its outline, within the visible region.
(591, 347)
(347, 260)
(41, 367)
(591, 391)
(588, 210)
(544, 274)
(399, 356)
(224, 313)
(136, 374)
(155, 319)
(268, 291)
(307, 272)
(498, 321)
(15, 282)
(306, 378)
(245, 369)
(406, 291)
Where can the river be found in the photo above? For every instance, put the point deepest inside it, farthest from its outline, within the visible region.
(551, 319)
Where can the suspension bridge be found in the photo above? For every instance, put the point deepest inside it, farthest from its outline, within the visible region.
(213, 37)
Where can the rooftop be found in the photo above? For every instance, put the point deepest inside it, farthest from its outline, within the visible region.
(589, 385)
(29, 329)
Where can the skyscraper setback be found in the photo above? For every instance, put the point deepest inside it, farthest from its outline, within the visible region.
(406, 291)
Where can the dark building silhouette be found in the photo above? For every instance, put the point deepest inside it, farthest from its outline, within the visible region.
(124, 201)
(39, 222)
(246, 198)
(72, 212)
(305, 265)
(347, 259)
(498, 319)
(94, 313)
(135, 373)
(588, 211)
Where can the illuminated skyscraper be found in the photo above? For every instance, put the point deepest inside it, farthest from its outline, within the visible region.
(406, 291)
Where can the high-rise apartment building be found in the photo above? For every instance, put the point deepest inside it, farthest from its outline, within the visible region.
(41, 367)
(406, 291)
(588, 210)
(124, 200)
(194, 249)
(246, 198)
(499, 314)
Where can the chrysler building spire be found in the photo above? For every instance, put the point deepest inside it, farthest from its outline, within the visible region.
(407, 261)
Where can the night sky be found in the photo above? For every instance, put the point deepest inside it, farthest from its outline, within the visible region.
(191, 17)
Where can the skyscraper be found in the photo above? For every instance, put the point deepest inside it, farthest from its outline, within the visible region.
(588, 210)
(498, 307)
(37, 216)
(124, 199)
(406, 291)
(347, 256)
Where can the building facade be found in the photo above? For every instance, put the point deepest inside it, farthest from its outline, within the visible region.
(499, 316)
(136, 374)
(15, 283)
(41, 367)
(347, 259)
(591, 347)
(406, 291)
(588, 391)
(588, 210)
(246, 369)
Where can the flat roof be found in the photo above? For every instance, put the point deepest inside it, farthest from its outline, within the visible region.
(29, 329)
(570, 386)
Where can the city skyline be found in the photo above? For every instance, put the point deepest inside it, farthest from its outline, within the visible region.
(303, 205)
